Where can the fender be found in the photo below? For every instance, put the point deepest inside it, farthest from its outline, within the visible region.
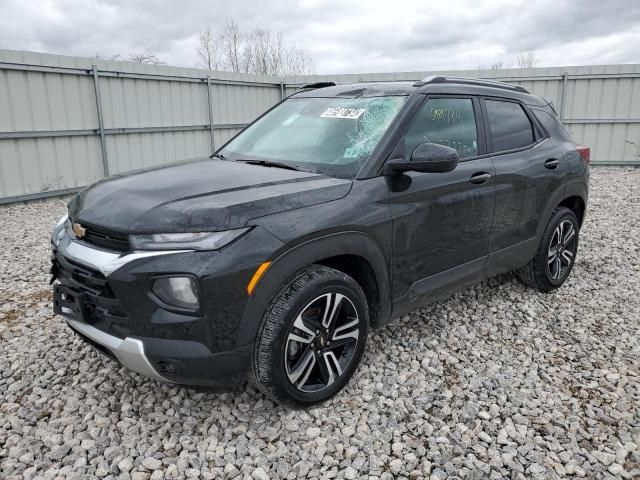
(577, 188)
(554, 200)
(573, 188)
(295, 258)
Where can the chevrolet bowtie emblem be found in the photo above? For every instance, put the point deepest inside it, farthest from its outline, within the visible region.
(79, 230)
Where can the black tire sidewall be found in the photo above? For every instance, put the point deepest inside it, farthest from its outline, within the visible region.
(338, 283)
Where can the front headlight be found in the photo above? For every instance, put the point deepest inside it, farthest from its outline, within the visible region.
(186, 241)
(58, 230)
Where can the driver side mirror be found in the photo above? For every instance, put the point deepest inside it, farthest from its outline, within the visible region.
(428, 158)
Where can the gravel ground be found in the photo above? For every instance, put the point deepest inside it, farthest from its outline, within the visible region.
(497, 381)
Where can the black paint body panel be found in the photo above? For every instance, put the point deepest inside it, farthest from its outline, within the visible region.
(206, 195)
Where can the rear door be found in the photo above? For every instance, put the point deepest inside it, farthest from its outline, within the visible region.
(529, 173)
(441, 221)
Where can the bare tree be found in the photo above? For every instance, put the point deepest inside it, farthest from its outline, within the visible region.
(264, 52)
(116, 58)
(297, 62)
(527, 60)
(231, 43)
(497, 66)
(145, 57)
(208, 50)
(259, 52)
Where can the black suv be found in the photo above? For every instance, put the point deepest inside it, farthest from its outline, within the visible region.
(337, 210)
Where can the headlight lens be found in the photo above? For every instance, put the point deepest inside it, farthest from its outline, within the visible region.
(58, 230)
(177, 291)
(186, 241)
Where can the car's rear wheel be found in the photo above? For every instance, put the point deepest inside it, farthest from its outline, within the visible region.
(556, 254)
(312, 337)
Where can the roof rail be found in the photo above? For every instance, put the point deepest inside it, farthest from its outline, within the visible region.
(313, 86)
(432, 79)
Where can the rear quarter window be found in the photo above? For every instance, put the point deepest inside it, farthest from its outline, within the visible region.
(509, 125)
(551, 124)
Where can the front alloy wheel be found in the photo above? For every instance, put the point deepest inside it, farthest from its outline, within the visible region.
(322, 342)
(311, 338)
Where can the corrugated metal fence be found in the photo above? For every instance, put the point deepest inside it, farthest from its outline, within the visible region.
(66, 122)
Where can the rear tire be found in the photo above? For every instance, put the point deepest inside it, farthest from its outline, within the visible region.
(311, 338)
(556, 254)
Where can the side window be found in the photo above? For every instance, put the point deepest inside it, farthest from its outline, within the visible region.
(447, 121)
(552, 124)
(509, 125)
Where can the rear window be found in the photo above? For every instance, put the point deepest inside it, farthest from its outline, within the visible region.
(509, 125)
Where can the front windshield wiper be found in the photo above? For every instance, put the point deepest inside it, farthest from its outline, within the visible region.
(218, 155)
(270, 163)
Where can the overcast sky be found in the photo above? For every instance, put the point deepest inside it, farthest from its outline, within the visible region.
(342, 36)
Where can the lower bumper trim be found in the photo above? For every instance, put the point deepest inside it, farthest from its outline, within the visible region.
(129, 352)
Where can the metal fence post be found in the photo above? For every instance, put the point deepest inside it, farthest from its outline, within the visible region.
(103, 145)
(563, 95)
(210, 102)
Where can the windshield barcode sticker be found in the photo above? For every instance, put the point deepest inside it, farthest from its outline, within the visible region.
(336, 112)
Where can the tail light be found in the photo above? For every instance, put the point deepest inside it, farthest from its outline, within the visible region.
(585, 153)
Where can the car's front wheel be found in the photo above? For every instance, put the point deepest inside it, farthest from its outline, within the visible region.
(311, 338)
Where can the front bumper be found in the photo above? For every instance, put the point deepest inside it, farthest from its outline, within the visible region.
(129, 351)
(105, 297)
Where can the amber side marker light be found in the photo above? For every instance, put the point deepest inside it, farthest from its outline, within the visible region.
(257, 276)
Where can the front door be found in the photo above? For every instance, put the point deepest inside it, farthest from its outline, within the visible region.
(441, 221)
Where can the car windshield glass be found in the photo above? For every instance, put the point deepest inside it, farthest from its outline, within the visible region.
(333, 136)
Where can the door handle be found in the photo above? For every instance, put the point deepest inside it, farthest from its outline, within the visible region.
(480, 177)
(551, 163)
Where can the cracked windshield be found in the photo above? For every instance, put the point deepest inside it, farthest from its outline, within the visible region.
(333, 136)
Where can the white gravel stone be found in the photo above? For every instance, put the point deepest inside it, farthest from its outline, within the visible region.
(350, 473)
(395, 466)
(259, 474)
(615, 469)
(604, 457)
(496, 381)
(151, 463)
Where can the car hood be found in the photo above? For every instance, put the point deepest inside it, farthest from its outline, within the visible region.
(204, 195)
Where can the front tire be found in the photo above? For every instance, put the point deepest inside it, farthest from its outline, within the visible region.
(311, 338)
(556, 254)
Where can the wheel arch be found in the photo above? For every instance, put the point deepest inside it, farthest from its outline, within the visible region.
(358, 268)
(572, 196)
(575, 198)
(577, 205)
(355, 253)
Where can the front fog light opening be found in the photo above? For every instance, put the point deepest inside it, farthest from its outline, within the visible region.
(178, 292)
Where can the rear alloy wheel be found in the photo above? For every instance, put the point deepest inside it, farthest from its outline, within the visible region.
(312, 337)
(562, 250)
(556, 253)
